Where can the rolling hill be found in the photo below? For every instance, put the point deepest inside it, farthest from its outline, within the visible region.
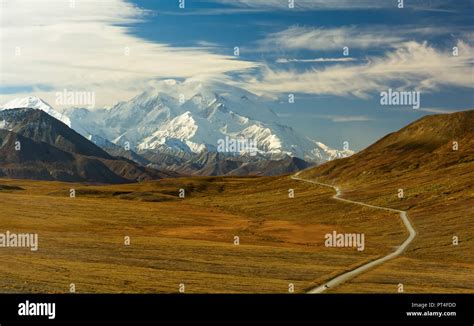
(432, 162)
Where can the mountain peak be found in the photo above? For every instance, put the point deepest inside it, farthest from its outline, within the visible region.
(190, 116)
(33, 102)
(195, 115)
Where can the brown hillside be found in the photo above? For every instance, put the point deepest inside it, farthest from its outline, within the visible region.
(438, 184)
(424, 144)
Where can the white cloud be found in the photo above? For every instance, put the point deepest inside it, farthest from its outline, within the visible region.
(412, 65)
(341, 4)
(84, 48)
(312, 4)
(356, 118)
(285, 60)
(333, 118)
(443, 111)
(325, 39)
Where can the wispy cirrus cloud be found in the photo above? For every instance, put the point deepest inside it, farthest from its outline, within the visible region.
(332, 117)
(443, 111)
(325, 39)
(315, 60)
(52, 45)
(347, 4)
(350, 118)
(415, 65)
(310, 4)
(85, 48)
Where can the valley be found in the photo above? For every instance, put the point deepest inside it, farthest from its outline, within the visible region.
(110, 220)
(187, 240)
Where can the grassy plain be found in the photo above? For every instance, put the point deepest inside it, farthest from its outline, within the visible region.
(184, 240)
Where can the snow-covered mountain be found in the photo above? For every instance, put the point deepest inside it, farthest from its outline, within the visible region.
(33, 102)
(189, 117)
(193, 116)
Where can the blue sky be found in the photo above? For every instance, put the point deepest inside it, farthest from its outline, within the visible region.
(282, 51)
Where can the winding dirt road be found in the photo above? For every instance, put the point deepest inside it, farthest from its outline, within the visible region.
(359, 270)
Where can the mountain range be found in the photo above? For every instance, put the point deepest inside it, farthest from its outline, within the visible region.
(191, 117)
(177, 126)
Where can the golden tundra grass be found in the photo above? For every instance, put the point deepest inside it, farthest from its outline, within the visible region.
(189, 241)
(440, 205)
